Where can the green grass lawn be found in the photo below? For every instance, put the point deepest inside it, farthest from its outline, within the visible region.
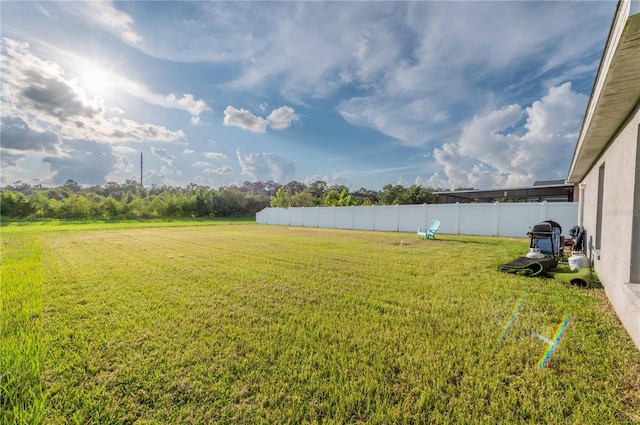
(249, 324)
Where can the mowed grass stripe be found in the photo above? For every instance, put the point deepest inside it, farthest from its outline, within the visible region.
(22, 351)
(259, 324)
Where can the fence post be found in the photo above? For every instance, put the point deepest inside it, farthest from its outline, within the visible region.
(544, 211)
(496, 213)
(373, 221)
(397, 218)
(424, 215)
(353, 217)
(334, 217)
(458, 218)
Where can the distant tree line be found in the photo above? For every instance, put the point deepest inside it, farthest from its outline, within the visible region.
(129, 200)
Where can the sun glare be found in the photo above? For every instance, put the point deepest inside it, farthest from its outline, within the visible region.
(96, 80)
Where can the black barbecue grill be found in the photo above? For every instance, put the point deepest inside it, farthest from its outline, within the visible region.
(546, 237)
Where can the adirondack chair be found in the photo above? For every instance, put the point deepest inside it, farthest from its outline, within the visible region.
(429, 232)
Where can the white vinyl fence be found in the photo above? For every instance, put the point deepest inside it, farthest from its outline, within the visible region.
(497, 219)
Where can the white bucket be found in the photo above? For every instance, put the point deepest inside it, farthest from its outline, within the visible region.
(535, 253)
(578, 261)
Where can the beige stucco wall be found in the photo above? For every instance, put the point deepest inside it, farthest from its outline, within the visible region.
(613, 261)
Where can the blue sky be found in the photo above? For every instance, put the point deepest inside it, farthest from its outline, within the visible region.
(440, 94)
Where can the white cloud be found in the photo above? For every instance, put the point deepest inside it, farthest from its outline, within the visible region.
(122, 165)
(215, 155)
(303, 56)
(330, 180)
(10, 159)
(43, 10)
(38, 93)
(282, 118)
(123, 149)
(82, 69)
(266, 166)
(406, 119)
(483, 138)
(558, 114)
(17, 134)
(408, 70)
(244, 119)
(496, 150)
(131, 37)
(414, 71)
(186, 103)
(188, 151)
(107, 16)
(279, 119)
(202, 164)
(162, 155)
(83, 161)
(153, 177)
(225, 169)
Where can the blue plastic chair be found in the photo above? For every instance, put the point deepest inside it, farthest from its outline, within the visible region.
(429, 232)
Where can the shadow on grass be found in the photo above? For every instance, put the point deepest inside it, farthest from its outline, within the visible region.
(483, 241)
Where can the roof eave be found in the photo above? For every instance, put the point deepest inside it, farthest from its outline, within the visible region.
(615, 91)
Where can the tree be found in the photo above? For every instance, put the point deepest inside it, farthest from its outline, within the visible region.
(113, 190)
(257, 202)
(21, 187)
(40, 204)
(128, 200)
(338, 187)
(110, 208)
(71, 186)
(303, 199)
(204, 203)
(75, 206)
(15, 205)
(172, 206)
(295, 187)
(229, 202)
(392, 195)
(365, 196)
(252, 188)
(318, 189)
(331, 198)
(271, 188)
(419, 195)
(282, 198)
(138, 207)
(156, 207)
